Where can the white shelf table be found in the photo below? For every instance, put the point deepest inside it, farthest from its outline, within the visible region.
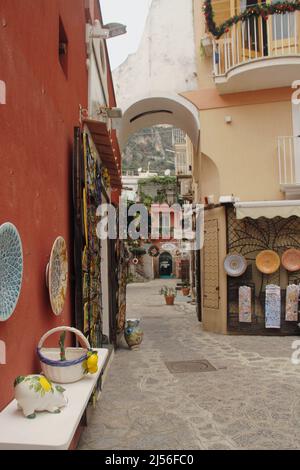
(49, 431)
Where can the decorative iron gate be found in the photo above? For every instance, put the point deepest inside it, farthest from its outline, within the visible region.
(248, 237)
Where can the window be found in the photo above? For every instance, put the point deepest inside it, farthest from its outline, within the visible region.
(283, 25)
(63, 48)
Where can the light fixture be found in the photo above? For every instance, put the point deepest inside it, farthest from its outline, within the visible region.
(115, 29)
(112, 113)
(110, 30)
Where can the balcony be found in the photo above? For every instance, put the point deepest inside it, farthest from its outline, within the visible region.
(257, 54)
(183, 170)
(186, 187)
(289, 165)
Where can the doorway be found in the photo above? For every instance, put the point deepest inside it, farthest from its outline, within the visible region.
(165, 265)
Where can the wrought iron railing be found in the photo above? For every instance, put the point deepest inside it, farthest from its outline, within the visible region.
(256, 38)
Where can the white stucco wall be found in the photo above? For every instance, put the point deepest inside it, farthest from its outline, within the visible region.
(165, 61)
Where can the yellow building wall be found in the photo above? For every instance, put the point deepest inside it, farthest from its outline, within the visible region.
(239, 158)
(245, 151)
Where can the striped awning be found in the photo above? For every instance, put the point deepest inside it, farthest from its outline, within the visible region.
(268, 209)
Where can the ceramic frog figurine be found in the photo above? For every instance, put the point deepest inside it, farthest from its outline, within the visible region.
(37, 393)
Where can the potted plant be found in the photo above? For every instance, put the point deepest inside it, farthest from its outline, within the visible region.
(185, 289)
(169, 293)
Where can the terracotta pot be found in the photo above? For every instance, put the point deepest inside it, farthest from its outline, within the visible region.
(169, 299)
(185, 291)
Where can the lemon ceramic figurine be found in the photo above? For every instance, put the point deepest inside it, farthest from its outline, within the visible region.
(91, 364)
(37, 393)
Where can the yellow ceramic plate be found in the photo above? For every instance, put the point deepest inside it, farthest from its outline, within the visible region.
(267, 261)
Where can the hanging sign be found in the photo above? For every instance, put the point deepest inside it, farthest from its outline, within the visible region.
(169, 247)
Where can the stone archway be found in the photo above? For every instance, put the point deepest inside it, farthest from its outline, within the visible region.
(162, 108)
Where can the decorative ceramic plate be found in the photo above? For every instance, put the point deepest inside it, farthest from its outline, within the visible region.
(235, 265)
(58, 275)
(267, 261)
(153, 251)
(11, 269)
(291, 260)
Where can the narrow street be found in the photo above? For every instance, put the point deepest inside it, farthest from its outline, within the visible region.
(251, 400)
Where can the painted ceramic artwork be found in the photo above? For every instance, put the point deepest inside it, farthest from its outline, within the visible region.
(37, 393)
(291, 260)
(58, 275)
(133, 333)
(11, 269)
(235, 265)
(267, 262)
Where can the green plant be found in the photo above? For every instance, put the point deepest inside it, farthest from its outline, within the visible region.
(62, 346)
(185, 284)
(255, 10)
(129, 278)
(138, 251)
(168, 291)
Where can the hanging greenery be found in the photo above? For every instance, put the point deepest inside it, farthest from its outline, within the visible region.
(138, 251)
(263, 10)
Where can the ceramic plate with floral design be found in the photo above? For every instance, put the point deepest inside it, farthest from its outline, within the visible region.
(11, 269)
(58, 275)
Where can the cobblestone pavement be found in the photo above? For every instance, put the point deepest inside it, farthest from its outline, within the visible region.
(252, 400)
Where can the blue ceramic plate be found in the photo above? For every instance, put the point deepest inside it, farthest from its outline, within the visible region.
(11, 269)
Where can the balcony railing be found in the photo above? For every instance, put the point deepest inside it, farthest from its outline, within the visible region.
(289, 160)
(256, 38)
(183, 170)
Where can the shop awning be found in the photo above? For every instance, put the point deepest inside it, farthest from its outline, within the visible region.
(107, 148)
(268, 209)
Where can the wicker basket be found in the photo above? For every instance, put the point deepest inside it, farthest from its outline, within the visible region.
(59, 371)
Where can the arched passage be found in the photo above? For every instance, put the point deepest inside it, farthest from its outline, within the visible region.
(161, 109)
(165, 264)
(210, 177)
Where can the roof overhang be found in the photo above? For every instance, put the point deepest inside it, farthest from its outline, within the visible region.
(268, 209)
(107, 147)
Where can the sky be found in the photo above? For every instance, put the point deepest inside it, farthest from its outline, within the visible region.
(132, 13)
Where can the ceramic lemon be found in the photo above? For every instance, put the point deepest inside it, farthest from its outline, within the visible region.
(91, 364)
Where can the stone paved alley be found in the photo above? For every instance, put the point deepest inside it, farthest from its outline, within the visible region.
(252, 400)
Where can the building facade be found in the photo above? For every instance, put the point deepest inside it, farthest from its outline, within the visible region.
(49, 86)
(248, 64)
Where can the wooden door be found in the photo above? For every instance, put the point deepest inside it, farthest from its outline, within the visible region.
(214, 281)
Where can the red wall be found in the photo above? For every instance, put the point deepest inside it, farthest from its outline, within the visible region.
(36, 139)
